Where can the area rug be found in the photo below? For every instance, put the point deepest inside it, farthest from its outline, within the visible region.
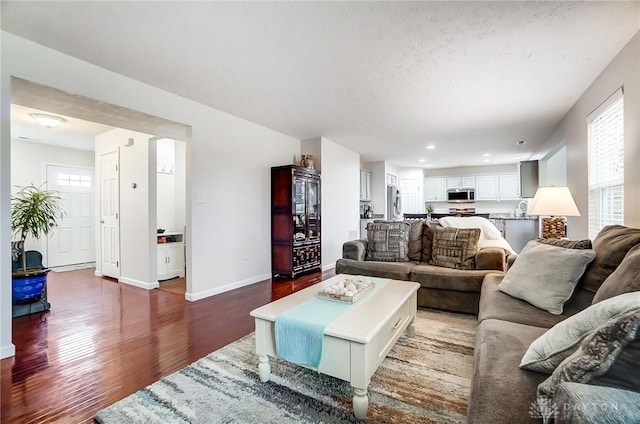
(424, 379)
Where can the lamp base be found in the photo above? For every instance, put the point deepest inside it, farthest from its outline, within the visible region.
(553, 227)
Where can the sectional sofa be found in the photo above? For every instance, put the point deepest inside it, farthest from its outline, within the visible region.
(501, 391)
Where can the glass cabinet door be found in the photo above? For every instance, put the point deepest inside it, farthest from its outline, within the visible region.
(299, 208)
(313, 208)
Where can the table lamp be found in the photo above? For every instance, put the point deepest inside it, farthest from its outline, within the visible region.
(556, 202)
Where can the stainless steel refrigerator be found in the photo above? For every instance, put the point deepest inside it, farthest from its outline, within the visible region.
(394, 209)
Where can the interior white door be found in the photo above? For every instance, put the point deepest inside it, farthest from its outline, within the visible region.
(410, 194)
(72, 241)
(109, 214)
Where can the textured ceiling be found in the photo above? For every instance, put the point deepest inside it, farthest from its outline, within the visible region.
(381, 78)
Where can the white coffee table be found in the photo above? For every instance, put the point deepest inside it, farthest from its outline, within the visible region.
(355, 344)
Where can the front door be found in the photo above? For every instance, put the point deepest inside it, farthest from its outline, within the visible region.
(109, 214)
(72, 241)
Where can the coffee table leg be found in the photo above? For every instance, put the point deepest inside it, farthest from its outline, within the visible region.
(264, 368)
(360, 403)
(411, 328)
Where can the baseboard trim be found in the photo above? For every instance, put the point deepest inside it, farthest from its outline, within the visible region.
(97, 273)
(140, 284)
(7, 351)
(192, 297)
(328, 267)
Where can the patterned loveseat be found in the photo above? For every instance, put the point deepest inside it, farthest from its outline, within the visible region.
(450, 272)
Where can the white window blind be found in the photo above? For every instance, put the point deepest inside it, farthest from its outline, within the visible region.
(606, 164)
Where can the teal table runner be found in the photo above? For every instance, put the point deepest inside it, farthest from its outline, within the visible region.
(300, 330)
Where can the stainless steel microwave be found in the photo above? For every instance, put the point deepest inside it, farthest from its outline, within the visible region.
(461, 195)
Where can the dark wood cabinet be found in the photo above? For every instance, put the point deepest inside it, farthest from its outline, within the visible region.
(295, 221)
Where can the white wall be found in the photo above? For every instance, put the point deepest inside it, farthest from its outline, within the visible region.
(228, 164)
(28, 161)
(171, 182)
(340, 199)
(137, 215)
(553, 170)
(624, 70)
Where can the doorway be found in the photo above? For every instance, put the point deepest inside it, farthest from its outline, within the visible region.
(71, 242)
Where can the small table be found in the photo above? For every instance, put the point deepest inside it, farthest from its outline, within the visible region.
(355, 344)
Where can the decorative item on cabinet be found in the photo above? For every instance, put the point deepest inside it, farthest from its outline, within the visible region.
(306, 161)
(295, 220)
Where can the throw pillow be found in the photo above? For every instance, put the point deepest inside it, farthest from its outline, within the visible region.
(416, 228)
(595, 356)
(561, 340)
(546, 275)
(427, 240)
(566, 243)
(611, 245)
(387, 241)
(455, 247)
(625, 279)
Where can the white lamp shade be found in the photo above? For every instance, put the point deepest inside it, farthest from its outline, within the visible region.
(553, 201)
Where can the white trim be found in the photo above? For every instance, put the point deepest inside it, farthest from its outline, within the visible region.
(7, 351)
(97, 273)
(192, 297)
(328, 267)
(140, 284)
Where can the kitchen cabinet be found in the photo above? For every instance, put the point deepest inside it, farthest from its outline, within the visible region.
(461, 182)
(295, 220)
(487, 187)
(170, 251)
(365, 185)
(392, 180)
(435, 189)
(509, 187)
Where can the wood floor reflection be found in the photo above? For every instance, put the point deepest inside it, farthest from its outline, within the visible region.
(103, 341)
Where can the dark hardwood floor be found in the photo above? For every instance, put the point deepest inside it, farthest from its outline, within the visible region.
(103, 341)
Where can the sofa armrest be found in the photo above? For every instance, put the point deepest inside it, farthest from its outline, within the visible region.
(492, 258)
(579, 403)
(354, 249)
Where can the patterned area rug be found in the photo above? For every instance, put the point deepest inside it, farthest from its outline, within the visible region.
(424, 379)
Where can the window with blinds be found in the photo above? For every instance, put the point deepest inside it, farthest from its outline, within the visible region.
(606, 164)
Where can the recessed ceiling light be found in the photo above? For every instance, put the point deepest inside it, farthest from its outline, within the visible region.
(487, 160)
(431, 147)
(486, 155)
(420, 160)
(427, 165)
(23, 137)
(521, 142)
(47, 120)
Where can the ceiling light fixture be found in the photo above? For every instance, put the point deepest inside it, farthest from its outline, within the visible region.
(486, 155)
(487, 160)
(427, 165)
(47, 120)
(521, 142)
(431, 147)
(420, 160)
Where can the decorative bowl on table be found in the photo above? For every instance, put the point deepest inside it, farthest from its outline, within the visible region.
(348, 290)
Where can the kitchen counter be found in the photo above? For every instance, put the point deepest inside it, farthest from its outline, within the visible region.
(510, 217)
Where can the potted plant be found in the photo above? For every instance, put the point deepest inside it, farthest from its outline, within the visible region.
(429, 210)
(34, 213)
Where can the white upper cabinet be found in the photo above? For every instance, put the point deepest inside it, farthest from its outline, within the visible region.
(435, 189)
(487, 187)
(461, 182)
(509, 187)
(468, 182)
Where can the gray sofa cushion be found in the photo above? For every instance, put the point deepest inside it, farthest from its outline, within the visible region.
(597, 353)
(611, 245)
(626, 278)
(414, 244)
(495, 304)
(427, 240)
(584, 403)
(549, 350)
(393, 270)
(438, 277)
(546, 275)
(501, 393)
(355, 249)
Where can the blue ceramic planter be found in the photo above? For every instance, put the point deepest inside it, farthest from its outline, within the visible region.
(28, 287)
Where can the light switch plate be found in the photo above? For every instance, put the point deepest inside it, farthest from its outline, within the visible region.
(201, 198)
